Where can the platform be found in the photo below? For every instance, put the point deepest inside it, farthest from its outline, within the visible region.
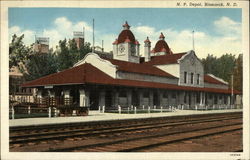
(97, 116)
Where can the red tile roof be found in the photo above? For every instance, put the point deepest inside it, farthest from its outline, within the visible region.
(76, 75)
(137, 42)
(165, 59)
(209, 79)
(160, 45)
(115, 42)
(83, 74)
(123, 36)
(139, 68)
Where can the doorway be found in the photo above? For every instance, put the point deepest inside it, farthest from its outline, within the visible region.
(94, 99)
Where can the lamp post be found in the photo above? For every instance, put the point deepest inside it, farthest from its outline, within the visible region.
(232, 90)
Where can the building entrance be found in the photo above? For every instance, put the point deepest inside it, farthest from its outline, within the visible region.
(135, 98)
(94, 99)
(156, 99)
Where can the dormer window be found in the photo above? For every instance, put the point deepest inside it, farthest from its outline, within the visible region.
(185, 77)
(198, 78)
(192, 78)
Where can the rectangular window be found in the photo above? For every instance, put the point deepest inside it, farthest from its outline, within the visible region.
(122, 93)
(185, 77)
(198, 97)
(185, 97)
(210, 96)
(225, 99)
(192, 78)
(146, 94)
(174, 95)
(215, 99)
(198, 78)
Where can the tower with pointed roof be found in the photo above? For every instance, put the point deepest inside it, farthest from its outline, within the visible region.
(147, 45)
(161, 47)
(126, 47)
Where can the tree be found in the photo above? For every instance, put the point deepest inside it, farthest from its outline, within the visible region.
(238, 74)
(68, 54)
(39, 65)
(221, 67)
(17, 51)
(63, 56)
(225, 65)
(84, 49)
(210, 65)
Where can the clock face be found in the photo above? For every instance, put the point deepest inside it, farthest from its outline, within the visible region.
(121, 48)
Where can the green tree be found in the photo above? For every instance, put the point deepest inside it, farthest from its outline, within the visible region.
(84, 49)
(221, 67)
(73, 51)
(18, 52)
(39, 65)
(238, 74)
(210, 64)
(225, 65)
(63, 56)
(68, 53)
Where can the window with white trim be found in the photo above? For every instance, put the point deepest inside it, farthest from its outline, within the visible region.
(198, 78)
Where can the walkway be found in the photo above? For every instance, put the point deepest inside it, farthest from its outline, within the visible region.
(96, 116)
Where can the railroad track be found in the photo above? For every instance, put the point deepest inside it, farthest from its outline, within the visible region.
(149, 142)
(59, 135)
(132, 136)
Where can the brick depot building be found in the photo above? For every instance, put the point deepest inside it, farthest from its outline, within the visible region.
(159, 78)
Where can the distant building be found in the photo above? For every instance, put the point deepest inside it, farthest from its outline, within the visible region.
(159, 78)
(79, 39)
(41, 45)
(16, 92)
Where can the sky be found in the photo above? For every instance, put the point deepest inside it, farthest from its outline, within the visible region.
(217, 31)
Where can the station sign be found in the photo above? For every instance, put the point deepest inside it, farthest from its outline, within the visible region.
(48, 87)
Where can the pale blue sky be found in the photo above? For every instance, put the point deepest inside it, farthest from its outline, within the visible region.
(176, 23)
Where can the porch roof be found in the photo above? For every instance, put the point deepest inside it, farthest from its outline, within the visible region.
(88, 74)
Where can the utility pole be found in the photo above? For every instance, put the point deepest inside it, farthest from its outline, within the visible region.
(232, 90)
(93, 35)
(83, 30)
(193, 39)
(102, 47)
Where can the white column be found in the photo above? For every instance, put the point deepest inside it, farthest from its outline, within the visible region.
(52, 97)
(160, 93)
(84, 98)
(129, 97)
(116, 97)
(102, 98)
(140, 97)
(204, 98)
(151, 98)
(228, 100)
(66, 96)
(39, 96)
(200, 98)
(39, 93)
